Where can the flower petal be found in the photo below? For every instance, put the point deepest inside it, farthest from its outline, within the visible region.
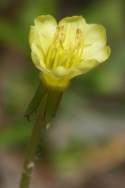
(82, 68)
(37, 57)
(95, 43)
(72, 30)
(42, 33)
(99, 54)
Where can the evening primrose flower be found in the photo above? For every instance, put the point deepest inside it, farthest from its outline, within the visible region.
(67, 49)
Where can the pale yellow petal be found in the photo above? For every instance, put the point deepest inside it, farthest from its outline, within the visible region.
(99, 54)
(42, 33)
(82, 68)
(95, 34)
(71, 28)
(95, 43)
(85, 66)
(37, 57)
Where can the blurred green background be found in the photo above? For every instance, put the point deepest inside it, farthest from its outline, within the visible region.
(89, 129)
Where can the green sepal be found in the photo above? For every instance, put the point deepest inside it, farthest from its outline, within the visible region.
(53, 101)
(35, 102)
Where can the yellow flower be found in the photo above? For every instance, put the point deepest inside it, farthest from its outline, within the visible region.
(67, 49)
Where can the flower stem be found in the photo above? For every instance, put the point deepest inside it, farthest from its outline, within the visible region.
(47, 110)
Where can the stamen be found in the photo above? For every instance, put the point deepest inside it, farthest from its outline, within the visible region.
(78, 38)
(56, 60)
(50, 56)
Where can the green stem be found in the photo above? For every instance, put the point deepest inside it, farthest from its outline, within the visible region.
(46, 112)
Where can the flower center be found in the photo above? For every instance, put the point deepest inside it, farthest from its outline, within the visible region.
(65, 50)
